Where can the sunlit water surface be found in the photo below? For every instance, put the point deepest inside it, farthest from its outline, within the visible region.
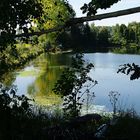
(37, 80)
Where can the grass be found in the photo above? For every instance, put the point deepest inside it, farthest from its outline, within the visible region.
(48, 123)
(126, 128)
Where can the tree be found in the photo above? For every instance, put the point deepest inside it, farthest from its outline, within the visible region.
(94, 31)
(22, 11)
(87, 35)
(27, 16)
(126, 37)
(16, 13)
(103, 36)
(56, 13)
(73, 84)
(123, 31)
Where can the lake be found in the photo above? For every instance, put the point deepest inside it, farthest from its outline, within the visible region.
(39, 76)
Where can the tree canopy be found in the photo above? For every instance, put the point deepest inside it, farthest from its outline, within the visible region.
(16, 13)
(55, 12)
(46, 13)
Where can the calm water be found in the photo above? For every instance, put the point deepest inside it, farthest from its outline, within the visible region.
(38, 78)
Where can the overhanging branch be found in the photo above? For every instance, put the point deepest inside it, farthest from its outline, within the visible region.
(104, 16)
(84, 19)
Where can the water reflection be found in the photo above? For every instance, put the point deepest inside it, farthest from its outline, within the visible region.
(38, 78)
(44, 71)
(105, 72)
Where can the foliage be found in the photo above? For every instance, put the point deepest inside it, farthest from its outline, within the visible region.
(81, 35)
(12, 103)
(24, 16)
(28, 16)
(56, 13)
(73, 84)
(118, 38)
(17, 13)
(132, 69)
(92, 7)
(103, 36)
(127, 38)
(22, 120)
(127, 127)
(18, 56)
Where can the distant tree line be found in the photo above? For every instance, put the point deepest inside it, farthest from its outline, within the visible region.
(126, 37)
(85, 37)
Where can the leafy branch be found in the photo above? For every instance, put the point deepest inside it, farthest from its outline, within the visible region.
(16, 105)
(132, 69)
(92, 7)
(73, 84)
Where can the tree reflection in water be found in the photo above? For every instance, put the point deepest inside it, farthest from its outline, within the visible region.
(50, 68)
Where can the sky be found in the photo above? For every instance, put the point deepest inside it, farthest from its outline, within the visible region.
(123, 4)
